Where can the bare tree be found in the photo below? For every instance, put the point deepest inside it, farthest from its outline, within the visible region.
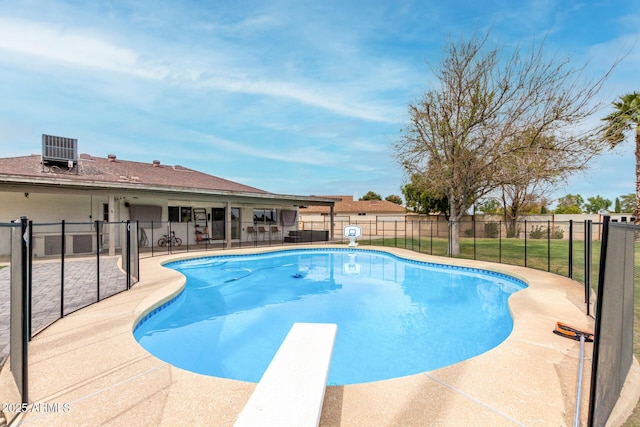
(526, 176)
(463, 133)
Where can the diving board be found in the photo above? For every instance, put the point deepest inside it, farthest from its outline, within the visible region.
(291, 391)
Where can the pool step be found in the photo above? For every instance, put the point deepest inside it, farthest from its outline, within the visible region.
(291, 391)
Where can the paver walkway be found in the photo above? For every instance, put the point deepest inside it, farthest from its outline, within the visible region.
(80, 290)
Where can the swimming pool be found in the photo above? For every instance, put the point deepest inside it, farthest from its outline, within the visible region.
(395, 316)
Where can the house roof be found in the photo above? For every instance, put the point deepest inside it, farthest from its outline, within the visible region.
(346, 205)
(110, 172)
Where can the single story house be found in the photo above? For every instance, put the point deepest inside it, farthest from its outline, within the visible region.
(82, 189)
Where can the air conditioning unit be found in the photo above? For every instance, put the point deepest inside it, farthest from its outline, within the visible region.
(59, 150)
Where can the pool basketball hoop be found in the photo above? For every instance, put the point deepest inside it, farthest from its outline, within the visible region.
(352, 232)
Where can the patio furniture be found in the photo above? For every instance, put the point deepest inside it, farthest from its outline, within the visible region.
(261, 231)
(301, 236)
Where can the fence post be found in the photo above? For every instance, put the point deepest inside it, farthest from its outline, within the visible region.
(25, 315)
(473, 224)
(63, 249)
(525, 242)
(128, 260)
(186, 240)
(548, 245)
(138, 250)
(98, 247)
(500, 241)
(449, 244)
(395, 233)
(570, 249)
(596, 344)
(30, 275)
(431, 235)
(588, 226)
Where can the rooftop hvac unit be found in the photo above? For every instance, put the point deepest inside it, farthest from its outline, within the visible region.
(59, 149)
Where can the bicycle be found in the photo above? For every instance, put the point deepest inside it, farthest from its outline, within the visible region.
(171, 241)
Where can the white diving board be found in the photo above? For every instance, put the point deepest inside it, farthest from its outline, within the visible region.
(291, 391)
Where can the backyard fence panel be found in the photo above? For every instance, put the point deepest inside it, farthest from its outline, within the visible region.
(111, 267)
(5, 287)
(19, 321)
(5, 242)
(146, 232)
(80, 284)
(559, 250)
(80, 273)
(488, 240)
(47, 274)
(613, 346)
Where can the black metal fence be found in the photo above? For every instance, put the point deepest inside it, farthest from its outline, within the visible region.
(70, 266)
(73, 265)
(82, 263)
(568, 248)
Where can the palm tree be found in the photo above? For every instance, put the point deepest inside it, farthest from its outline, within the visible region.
(624, 118)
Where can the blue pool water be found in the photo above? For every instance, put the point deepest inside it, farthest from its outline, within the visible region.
(395, 317)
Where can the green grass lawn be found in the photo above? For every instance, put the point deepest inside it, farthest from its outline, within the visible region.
(544, 255)
(552, 256)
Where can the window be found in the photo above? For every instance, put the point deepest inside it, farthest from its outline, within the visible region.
(185, 214)
(265, 215)
(174, 213)
(180, 214)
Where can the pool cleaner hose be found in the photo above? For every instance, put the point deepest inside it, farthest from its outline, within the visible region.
(567, 331)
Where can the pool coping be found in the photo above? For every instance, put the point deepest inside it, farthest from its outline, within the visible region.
(91, 361)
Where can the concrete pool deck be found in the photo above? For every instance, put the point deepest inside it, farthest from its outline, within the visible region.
(87, 369)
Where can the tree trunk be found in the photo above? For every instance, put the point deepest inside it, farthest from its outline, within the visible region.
(454, 237)
(455, 216)
(513, 231)
(636, 213)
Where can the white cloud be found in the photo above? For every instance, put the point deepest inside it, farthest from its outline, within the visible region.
(308, 155)
(72, 47)
(83, 49)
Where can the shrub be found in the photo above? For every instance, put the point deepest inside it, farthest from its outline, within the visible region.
(557, 232)
(491, 229)
(538, 232)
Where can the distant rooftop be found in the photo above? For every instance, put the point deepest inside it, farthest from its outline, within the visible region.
(346, 204)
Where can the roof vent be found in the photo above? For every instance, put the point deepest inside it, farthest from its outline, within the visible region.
(156, 163)
(111, 157)
(59, 149)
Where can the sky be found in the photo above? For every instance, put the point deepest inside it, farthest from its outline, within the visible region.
(292, 97)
